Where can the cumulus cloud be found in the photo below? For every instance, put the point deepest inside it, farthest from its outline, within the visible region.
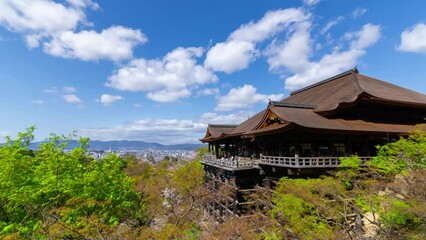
(114, 43)
(39, 18)
(368, 35)
(165, 131)
(358, 12)
(71, 98)
(107, 99)
(413, 39)
(230, 56)
(239, 49)
(165, 80)
(53, 24)
(293, 55)
(233, 118)
(208, 92)
(244, 97)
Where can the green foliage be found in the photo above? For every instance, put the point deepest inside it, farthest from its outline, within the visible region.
(402, 155)
(298, 204)
(299, 218)
(48, 187)
(399, 215)
(349, 168)
(201, 153)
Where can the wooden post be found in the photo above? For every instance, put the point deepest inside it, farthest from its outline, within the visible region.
(214, 209)
(235, 199)
(227, 206)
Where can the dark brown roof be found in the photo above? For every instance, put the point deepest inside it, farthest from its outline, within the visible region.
(347, 87)
(308, 118)
(215, 131)
(306, 106)
(248, 124)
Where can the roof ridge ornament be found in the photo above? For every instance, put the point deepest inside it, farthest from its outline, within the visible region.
(293, 105)
(222, 125)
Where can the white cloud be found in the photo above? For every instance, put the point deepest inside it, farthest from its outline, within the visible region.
(331, 24)
(44, 15)
(167, 96)
(368, 35)
(114, 43)
(293, 55)
(38, 101)
(311, 2)
(358, 12)
(233, 118)
(37, 18)
(71, 98)
(69, 89)
(414, 39)
(230, 56)
(53, 24)
(107, 99)
(239, 49)
(137, 105)
(164, 80)
(165, 131)
(244, 97)
(208, 92)
(84, 4)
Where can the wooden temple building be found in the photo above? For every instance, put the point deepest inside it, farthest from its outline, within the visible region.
(307, 132)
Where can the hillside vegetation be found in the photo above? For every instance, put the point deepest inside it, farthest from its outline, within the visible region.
(54, 194)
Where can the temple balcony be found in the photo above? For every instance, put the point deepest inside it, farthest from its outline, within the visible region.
(305, 162)
(231, 163)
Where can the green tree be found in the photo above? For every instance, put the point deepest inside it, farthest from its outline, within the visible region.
(59, 194)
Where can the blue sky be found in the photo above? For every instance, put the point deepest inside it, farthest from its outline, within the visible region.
(159, 71)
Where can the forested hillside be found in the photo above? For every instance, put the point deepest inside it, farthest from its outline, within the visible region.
(54, 194)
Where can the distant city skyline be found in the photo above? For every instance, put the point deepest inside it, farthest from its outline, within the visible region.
(160, 71)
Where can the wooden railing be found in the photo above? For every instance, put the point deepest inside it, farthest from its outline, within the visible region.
(289, 162)
(305, 162)
(231, 162)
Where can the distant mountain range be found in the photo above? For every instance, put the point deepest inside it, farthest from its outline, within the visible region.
(127, 145)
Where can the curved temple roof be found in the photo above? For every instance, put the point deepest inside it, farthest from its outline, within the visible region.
(215, 131)
(347, 87)
(309, 106)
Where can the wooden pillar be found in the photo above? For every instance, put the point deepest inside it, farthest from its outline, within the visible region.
(296, 148)
(366, 147)
(227, 206)
(214, 209)
(332, 152)
(349, 150)
(313, 149)
(235, 200)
